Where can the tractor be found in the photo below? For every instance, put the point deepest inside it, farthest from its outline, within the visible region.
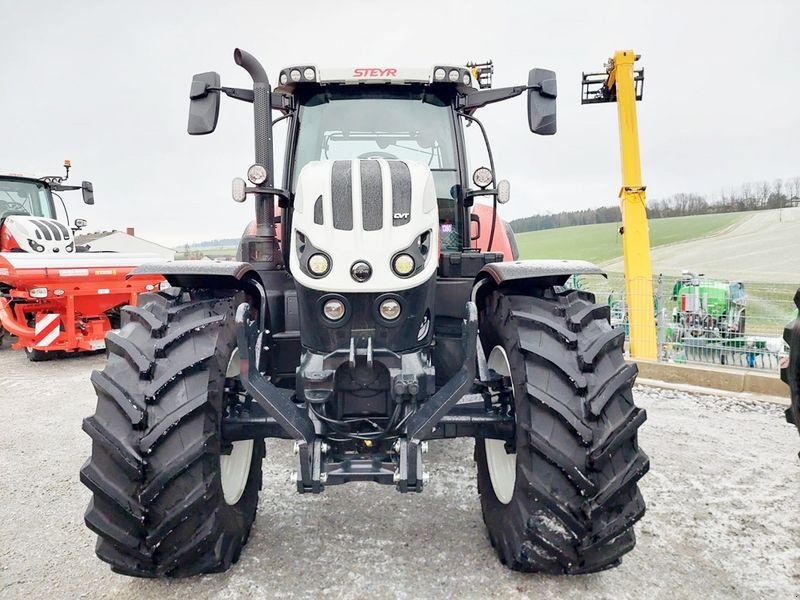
(57, 297)
(373, 310)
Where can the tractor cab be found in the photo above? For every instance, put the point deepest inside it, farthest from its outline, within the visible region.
(28, 220)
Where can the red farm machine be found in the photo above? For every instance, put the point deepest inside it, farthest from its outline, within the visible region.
(57, 297)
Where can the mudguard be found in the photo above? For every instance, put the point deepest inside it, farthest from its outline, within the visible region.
(539, 273)
(200, 273)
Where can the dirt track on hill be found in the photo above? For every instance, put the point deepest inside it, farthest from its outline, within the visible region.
(722, 518)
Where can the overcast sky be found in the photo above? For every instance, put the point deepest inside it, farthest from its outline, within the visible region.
(106, 85)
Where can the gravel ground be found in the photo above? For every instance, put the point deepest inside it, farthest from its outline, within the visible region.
(722, 518)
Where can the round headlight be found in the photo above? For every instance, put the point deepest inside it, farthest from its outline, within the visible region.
(333, 309)
(309, 74)
(403, 265)
(361, 271)
(257, 174)
(390, 309)
(284, 79)
(295, 74)
(482, 177)
(439, 74)
(319, 264)
(453, 75)
(466, 79)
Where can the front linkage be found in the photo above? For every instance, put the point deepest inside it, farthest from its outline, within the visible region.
(440, 416)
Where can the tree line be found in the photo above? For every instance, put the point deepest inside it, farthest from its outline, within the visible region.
(746, 197)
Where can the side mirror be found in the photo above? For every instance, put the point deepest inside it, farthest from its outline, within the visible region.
(87, 189)
(503, 191)
(80, 224)
(542, 92)
(203, 103)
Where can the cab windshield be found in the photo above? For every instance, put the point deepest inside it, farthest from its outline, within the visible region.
(391, 122)
(25, 197)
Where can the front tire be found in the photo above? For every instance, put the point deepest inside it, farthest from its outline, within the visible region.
(162, 503)
(572, 501)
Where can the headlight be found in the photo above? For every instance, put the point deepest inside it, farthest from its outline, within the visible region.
(257, 174)
(482, 177)
(333, 309)
(38, 292)
(319, 265)
(403, 265)
(390, 309)
(35, 246)
(71, 247)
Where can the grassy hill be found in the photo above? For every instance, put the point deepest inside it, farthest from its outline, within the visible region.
(601, 243)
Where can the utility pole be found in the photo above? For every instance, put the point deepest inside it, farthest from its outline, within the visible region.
(622, 84)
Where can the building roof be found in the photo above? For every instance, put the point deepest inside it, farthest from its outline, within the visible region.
(87, 238)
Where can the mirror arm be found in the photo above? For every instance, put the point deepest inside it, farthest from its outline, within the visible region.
(277, 101)
(486, 192)
(235, 93)
(480, 98)
(57, 187)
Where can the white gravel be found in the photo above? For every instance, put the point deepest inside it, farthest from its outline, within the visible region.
(723, 516)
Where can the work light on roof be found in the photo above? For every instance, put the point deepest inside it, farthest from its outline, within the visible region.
(439, 74)
(284, 78)
(309, 74)
(453, 75)
(294, 74)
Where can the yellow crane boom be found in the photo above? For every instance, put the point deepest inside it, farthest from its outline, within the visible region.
(622, 84)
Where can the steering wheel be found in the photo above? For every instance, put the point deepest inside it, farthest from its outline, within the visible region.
(377, 154)
(6, 206)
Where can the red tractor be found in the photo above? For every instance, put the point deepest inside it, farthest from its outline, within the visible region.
(56, 297)
(384, 312)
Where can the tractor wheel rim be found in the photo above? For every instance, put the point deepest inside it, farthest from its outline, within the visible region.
(502, 465)
(235, 467)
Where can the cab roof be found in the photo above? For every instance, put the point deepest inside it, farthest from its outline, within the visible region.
(290, 77)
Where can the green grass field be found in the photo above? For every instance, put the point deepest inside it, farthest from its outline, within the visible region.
(601, 243)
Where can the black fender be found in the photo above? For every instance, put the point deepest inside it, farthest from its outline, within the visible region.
(211, 274)
(529, 274)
